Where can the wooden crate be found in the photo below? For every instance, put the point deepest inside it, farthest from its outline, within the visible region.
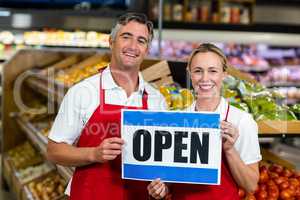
(158, 73)
(268, 126)
(28, 195)
(7, 170)
(277, 126)
(269, 157)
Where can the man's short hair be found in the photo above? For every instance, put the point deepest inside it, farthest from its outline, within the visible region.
(128, 17)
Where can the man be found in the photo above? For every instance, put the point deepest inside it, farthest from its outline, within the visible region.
(86, 131)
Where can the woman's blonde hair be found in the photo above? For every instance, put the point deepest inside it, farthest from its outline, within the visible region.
(208, 47)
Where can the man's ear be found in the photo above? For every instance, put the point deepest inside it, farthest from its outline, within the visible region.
(110, 42)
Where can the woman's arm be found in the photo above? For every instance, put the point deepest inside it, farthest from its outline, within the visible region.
(246, 176)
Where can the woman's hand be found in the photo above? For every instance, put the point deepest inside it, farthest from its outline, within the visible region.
(157, 189)
(229, 135)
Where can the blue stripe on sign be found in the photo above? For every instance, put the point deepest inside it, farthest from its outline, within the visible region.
(171, 119)
(176, 174)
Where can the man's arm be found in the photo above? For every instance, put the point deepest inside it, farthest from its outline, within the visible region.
(68, 155)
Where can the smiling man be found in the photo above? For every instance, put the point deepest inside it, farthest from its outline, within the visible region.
(86, 131)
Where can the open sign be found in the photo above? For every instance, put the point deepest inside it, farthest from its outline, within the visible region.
(174, 146)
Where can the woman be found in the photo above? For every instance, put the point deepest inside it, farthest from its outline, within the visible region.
(240, 148)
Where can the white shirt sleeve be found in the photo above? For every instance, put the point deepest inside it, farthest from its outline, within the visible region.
(247, 144)
(68, 123)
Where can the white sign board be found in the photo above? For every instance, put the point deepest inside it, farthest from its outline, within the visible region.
(178, 147)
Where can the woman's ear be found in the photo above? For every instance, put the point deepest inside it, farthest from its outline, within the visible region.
(225, 74)
(189, 84)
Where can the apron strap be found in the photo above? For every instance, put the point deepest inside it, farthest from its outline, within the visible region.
(102, 93)
(227, 111)
(145, 100)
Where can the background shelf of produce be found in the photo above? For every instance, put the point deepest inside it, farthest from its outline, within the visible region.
(35, 65)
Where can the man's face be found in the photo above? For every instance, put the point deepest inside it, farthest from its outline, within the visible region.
(130, 45)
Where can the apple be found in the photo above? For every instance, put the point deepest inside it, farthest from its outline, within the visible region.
(284, 185)
(285, 194)
(250, 197)
(295, 182)
(276, 168)
(263, 176)
(287, 173)
(280, 180)
(262, 194)
(242, 193)
(273, 175)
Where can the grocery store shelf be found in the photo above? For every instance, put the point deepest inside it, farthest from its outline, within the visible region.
(273, 158)
(270, 128)
(65, 172)
(234, 28)
(253, 69)
(281, 84)
(33, 134)
(240, 1)
(50, 89)
(243, 37)
(40, 142)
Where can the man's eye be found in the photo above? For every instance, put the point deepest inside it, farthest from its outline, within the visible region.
(125, 37)
(143, 42)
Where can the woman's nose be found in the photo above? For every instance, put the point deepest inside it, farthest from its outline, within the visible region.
(204, 76)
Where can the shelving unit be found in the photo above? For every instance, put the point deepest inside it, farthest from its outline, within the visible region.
(30, 79)
(18, 71)
(28, 60)
(206, 11)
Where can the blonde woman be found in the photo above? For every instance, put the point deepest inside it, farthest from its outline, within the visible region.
(240, 147)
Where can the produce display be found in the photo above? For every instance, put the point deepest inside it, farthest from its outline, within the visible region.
(51, 187)
(56, 38)
(64, 38)
(45, 130)
(82, 70)
(32, 172)
(177, 98)
(291, 93)
(24, 155)
(262, 103)
(275, 183)
(77, 75)
(282, 75)
(247, 57)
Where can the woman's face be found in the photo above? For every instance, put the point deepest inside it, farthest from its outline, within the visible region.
(207, 75)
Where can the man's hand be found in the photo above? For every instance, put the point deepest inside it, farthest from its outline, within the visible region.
(109, 149)
(157, 189)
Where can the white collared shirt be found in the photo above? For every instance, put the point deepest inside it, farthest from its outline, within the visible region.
(82, 99)
(247, 143)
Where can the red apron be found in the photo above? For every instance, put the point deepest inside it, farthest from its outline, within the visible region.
(103, 180)
(227, 190)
